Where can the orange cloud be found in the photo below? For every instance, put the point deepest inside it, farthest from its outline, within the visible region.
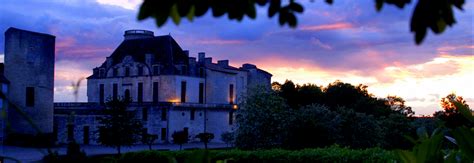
(335, 26)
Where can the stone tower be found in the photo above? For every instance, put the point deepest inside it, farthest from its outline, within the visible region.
(29, 66)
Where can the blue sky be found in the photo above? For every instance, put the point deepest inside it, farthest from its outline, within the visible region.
(348, 41)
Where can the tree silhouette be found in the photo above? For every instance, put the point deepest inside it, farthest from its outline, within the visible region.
(180, 138)
(205, 138)
(451, 115)
(428, 14)
(119, 127)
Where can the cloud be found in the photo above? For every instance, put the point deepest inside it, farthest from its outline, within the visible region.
(336, 26)
(219, 42)
(127, 4)
(318, 42)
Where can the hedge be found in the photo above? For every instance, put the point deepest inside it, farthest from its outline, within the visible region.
(330, 154)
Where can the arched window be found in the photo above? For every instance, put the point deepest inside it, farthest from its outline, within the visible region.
(127, 95)
(127, 71)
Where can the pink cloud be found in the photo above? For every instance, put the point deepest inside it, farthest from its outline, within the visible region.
(335, 26)
(219, 42)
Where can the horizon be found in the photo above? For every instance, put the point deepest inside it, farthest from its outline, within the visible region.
(355, 48)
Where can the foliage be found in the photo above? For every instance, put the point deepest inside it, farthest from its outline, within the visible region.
(451, 115)
(433, 15)
(205, 138)
(228, 138)
(180, 138)
(340, 113)
(330, 154)
(429, 149)
(119, 127)
(149, 139)
(313, 126)
(398, 104)
(262, 120)
(73, 154)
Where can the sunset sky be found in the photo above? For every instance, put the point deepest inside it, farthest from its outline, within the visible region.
(348, 41)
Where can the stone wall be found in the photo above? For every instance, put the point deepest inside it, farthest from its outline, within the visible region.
(29, 62)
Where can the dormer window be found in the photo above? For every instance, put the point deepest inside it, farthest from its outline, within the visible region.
(101, 73)
(140, 71)
(156, 70)
(127, 71)
(115, 72)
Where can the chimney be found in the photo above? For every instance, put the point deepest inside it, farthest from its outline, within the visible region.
(248, 66)
(192, 61)
(208, 60)
(186, 52)
(201, 56)
(223, 63)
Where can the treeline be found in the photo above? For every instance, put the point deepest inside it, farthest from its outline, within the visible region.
(307, 116)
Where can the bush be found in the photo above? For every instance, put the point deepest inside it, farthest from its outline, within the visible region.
(330, 154)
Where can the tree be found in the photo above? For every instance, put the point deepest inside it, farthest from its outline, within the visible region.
(205, 138)
(180, 138)
(428, 14)
(119, 127)
(451, 114)
(397, 104)
(149, 139)
(262, 121)
(228, 138)
(313, 126)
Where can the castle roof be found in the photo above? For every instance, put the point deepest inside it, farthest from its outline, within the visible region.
(164, 49)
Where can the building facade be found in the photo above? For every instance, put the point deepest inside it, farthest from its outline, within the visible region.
(170, 90)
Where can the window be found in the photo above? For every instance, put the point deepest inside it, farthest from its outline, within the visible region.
(86, 135)
(127, 95)
(114, 91)
(101, 93)
(144, 134)
(127, 71)
(231, 117)
(101, 73)
(140, 92)
(70, 132)
(183, 91)
(201, 72)
(186, 130)
(115, 72)
(156, 70)
(140, 71)
(163, 133)
(30, 96)
(184, 70)
(145, 114)
(163, 114)
(201, 93)
(231, 94)
(155, 92)
(193, 111)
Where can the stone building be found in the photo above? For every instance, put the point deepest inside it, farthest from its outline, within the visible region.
(29, 68)
(170, 90)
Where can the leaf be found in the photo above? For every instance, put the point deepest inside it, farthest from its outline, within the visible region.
(190, 15)
(379, 4)
(296, 7)
(146, 10)
(251, 11)
(274, 8)
(174, 14)
(464, 136)
(405, 156)
(329, 1)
